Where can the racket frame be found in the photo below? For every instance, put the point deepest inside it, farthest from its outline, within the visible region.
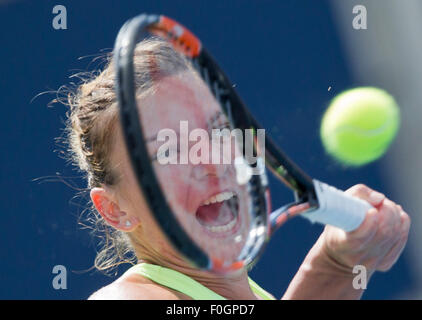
(132, 32)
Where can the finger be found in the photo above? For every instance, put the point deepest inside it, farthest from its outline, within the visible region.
(406, 220)
(385, 238)
(405, 224)
(390, 222)
(367, 230)
(365, 193)
(394, 253)
(380, 229)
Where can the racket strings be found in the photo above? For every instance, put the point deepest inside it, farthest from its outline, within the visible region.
(250, 204)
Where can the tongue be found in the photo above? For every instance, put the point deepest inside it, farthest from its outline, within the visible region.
(215, 214)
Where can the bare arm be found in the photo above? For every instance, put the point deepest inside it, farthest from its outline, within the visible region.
(321, 278)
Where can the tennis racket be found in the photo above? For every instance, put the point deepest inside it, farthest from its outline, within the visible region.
(217, 216)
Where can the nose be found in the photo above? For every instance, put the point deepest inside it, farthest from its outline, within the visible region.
(221, 154)
(201, 171)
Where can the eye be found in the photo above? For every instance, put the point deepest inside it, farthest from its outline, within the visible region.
(219, 121)
(224, 125)
(222, 131)
(170, 153)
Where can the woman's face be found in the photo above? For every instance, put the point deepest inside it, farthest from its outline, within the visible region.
(205, 198)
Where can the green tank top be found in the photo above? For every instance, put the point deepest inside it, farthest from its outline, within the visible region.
(184, 284)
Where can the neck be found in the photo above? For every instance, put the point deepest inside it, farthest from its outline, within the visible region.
(233, 286)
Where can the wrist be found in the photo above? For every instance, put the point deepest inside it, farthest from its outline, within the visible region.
(321, 259)
(354, 265)
(322, 277)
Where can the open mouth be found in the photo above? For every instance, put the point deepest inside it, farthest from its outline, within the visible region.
(219, 214)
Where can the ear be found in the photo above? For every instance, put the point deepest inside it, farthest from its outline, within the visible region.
(110, 211)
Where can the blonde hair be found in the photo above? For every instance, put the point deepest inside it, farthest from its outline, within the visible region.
(91, 121)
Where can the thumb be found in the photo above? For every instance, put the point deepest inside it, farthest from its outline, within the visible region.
(365, 193)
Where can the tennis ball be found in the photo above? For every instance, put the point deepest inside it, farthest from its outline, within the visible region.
(359, 125)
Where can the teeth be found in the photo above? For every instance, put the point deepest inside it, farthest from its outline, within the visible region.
(224, 228)
(219, 197)
(223, 196)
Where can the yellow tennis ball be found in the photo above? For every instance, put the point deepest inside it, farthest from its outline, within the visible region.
(359, 125)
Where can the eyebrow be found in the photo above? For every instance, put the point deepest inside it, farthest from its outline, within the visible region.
(154, 137)
(151, 139)
(213, 119)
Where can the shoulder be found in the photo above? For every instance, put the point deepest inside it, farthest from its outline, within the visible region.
(134, 287)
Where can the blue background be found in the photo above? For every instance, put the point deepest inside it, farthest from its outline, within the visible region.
(282, 55)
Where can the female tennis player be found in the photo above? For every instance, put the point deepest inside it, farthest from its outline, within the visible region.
(168, 85)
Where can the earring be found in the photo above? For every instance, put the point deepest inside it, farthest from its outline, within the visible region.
(128, 223)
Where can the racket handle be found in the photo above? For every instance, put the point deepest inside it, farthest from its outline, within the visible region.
(337, 208)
